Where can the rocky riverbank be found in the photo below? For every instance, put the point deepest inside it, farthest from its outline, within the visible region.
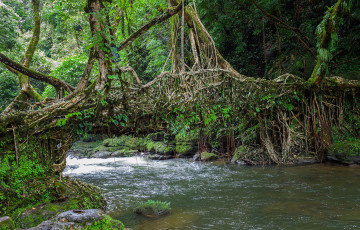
(72, 219)
(161, 146)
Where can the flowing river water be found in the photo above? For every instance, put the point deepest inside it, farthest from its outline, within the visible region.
(220, 196)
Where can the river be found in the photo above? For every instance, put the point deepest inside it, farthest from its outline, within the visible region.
(221, 196)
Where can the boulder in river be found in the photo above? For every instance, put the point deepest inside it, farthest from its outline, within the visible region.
(153, 208)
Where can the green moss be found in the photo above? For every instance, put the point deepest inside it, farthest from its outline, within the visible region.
(184, 149)
(153, 208)
(345, 152)
(76, 195)
(206, 156)
(7, 224)
(159, 147)
(101, 148)
(106, 223)
(239, 153)
(345, 148)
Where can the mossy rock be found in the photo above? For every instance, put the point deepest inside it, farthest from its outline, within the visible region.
(238, 154)
(75, 195)
(184, 150)
(125, 153)
(35, 215)
(124, 140)
(6, 223)
(159, 148)
(153, 208)
(345, 152)
(90, 219)
(206, 156)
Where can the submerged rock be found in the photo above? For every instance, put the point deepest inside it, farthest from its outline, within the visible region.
(6, 223)
(153, 208)
(345, 153)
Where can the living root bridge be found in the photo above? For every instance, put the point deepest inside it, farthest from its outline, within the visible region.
(282, 117)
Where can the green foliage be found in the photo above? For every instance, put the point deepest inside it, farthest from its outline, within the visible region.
(70, 71)
(153, 208)
(14, 177)
(8, 27)
(9, 86)
(106, 223)
(17, 180)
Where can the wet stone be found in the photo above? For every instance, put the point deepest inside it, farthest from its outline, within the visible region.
(102, 154)
(81, 216)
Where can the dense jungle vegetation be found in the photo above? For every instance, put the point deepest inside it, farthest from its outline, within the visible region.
(253, 43)
(266, 81)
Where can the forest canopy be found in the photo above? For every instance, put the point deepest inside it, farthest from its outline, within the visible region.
(253, 42)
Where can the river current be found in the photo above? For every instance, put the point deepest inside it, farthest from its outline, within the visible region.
(221, 196)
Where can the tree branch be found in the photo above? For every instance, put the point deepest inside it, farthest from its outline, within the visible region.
(147, 26)
(33, 74)
(85, 77)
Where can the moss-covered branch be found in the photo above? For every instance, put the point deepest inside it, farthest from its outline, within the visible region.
(34, 74)
(327, 37)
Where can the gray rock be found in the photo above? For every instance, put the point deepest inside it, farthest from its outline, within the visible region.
(6, 223)
(206, 156)
(159, 157)
(124, 153)
(81, 216)
(75, 219)
(57, 225)
(102, 154)
(307, 161)
(240, 162)
(196, 157)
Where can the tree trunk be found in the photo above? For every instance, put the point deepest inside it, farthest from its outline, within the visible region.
(206, 42)
(26, 88)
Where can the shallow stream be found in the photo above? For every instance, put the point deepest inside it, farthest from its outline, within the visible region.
(220, 196)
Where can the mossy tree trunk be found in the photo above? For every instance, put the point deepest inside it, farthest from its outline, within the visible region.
(27, 91)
